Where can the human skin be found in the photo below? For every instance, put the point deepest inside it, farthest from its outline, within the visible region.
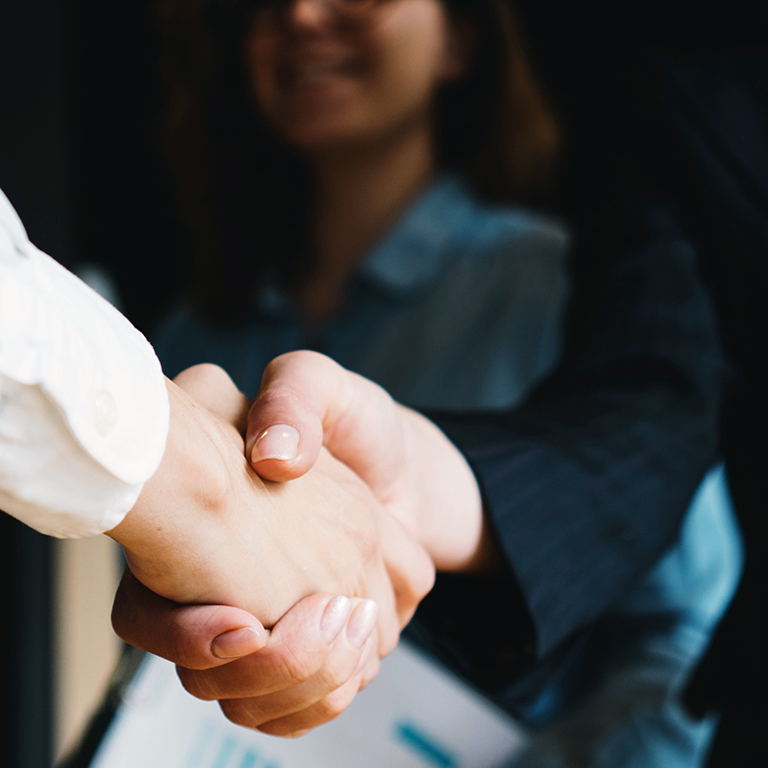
(327, 84)
(207, 530)
(414, 470)
(356, 100)
(355, 96)
(410, 465)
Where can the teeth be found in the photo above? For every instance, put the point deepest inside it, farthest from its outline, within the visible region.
(318, 70)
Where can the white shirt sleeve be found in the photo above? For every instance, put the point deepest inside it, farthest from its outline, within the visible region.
(83, 404)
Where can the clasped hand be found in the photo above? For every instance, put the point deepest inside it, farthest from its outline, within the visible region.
(323, 536)
(319, 562)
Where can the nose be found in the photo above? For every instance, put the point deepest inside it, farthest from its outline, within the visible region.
(308, 13)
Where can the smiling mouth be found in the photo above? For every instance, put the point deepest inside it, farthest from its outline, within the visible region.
(317, 73)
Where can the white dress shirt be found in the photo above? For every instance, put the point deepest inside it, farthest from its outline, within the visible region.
(83, 404)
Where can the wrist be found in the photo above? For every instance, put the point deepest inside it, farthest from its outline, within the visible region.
(185, 498)
(450, 521)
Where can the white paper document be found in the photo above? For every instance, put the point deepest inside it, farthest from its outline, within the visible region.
(414, 715)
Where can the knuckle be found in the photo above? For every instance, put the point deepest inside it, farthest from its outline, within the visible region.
(238, 712)
(185, 656)
(283, 730)
(307, 357)
(196, 683)
(217, 485)
(418, 583)
(297, 666)
(294, 356)
(321, 712)
(181, 648)
(300, 365)
(334, 703)
(370, 672)
(334, 676)
(180, 655)
(206, 370)
(287, 361)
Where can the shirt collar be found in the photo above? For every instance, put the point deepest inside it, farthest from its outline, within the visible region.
(414, 252)
(424, 240)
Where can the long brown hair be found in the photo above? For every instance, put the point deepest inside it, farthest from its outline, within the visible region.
(243, 196)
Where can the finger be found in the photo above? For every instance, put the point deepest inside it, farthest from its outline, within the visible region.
(319, 402)
(302, 647)
(410, 569)
(323, 711)
(213, 388)
(333, 704)
(323, 696)
(194, 636)
(285, 427)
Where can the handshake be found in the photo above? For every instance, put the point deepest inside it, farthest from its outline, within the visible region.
(283, 544)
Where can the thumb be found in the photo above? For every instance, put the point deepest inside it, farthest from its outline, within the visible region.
(193, 636)
(285, 423)
(306, 401)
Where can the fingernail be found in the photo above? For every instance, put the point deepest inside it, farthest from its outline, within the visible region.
(236, 643)
(280, 441)
(335, 617)
(362, 622)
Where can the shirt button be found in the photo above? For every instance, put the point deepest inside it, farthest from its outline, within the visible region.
(104, 413)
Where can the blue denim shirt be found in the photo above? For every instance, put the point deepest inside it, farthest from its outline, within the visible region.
(458, 306)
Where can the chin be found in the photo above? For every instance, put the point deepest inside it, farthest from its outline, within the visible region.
(320, 135)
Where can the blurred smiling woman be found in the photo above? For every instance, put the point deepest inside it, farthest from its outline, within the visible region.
(269, 119)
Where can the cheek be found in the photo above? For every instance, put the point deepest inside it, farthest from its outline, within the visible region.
(411, 61)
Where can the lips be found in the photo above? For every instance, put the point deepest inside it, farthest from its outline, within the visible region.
(315, 70)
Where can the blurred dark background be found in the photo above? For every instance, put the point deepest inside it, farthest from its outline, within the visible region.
(80, 93)
(78, 160)
(77, 163)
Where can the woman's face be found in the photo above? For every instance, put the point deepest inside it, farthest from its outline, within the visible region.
(324, 80)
